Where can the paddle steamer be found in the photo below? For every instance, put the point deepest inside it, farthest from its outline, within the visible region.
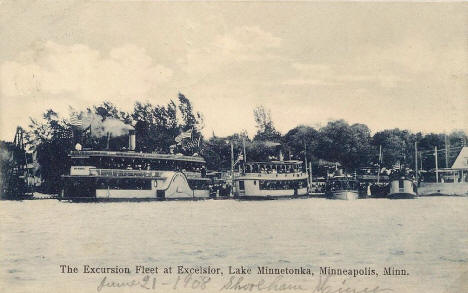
(130, 175)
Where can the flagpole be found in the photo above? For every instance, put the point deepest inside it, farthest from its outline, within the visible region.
(416, 159)
(446, 150)
(436, 165)
(310, 174)
(232, 168)
(305, 161)
(380, 161)
(245, 156)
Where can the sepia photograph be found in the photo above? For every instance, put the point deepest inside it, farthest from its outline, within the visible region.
(233, 146)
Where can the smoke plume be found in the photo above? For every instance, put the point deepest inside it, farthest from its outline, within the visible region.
(100, 128)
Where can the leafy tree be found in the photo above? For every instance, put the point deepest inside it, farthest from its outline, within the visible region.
(217, 153)
(217, 150)
(266, 131)
(397, 146)
(51, 139)
(361, 150)
(349, 145)
(260, 151)
(158, 126)
(186, 109)
(300, 140)
(458, 138)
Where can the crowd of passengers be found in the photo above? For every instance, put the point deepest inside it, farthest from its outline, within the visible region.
(164, 165)
(343, 185)
(282, 185)
(272, 169)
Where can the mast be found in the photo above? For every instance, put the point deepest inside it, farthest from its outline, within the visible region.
(416, 159)
(310, 173)
(420, 161)
(380, 160)
(305, 161)
(436, 165)
(232, 167)
(245, 155)
(446, 151)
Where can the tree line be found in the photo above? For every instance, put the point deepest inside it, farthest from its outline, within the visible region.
(105, 126)
(352, 146)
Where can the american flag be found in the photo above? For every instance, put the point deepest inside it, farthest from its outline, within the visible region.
(186, 134)
(192, 144)
(75, 121)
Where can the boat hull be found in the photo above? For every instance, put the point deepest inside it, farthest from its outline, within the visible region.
(272, 197)
(454, 189)
(170, 186)
(128, 199)
(345, 195)
(402, 195)
(402, 189)
(270, 186)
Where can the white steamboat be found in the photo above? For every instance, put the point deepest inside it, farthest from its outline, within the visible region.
(130, 175)
(271, 180)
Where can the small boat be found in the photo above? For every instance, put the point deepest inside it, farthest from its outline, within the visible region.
(402, 185)
(342, 187)
(379, 190)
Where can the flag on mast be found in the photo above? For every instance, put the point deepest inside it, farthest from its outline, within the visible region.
(186, 134)
(75, 120)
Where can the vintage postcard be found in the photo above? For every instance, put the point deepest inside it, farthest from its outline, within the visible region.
(233, 146)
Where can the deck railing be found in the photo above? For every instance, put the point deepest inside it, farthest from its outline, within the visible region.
(135, 173)
(275, 175)
(124, 173)
(137, 155)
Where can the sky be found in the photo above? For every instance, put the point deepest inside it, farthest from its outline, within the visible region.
(383, 64)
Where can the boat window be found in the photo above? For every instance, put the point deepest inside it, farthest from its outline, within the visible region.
(282, 184)
(241, 185)
(124, 184)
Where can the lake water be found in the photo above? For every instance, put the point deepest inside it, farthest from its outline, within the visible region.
(428, 237)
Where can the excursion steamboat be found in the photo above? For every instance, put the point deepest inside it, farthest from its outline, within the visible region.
(130, 175)
(271, 180)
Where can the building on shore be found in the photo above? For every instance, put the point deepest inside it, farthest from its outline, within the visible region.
(449, 181)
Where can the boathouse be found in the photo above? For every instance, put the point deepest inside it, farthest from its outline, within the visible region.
(449, 181)
(458, 173)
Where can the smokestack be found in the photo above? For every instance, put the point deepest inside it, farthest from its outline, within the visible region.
(131, 140)
(108, 140)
